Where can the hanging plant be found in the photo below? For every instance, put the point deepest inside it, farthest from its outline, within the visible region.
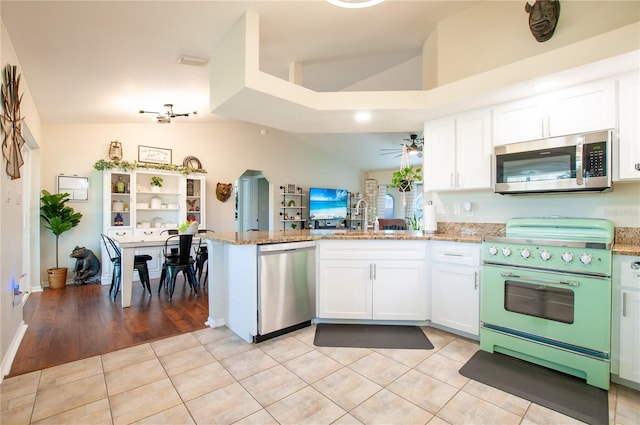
(404, 178)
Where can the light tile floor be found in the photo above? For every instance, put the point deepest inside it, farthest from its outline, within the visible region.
(212, 376)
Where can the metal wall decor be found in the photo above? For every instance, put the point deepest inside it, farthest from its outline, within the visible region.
(543, 18)
(11, 122)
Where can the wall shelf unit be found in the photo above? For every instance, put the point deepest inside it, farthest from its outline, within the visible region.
(293, 208)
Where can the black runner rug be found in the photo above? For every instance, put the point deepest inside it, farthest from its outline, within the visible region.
(555, 390)
(371, 336)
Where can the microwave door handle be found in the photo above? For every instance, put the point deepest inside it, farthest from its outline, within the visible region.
(579, 165)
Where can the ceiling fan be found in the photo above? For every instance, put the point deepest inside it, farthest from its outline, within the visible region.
(165, 117)
(413, 148)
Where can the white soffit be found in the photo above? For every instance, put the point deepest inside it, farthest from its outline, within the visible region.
(241, 91)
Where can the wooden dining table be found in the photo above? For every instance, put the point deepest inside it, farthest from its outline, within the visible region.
(128, 247)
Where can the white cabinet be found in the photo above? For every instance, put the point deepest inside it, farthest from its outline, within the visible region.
(457, 152)
(378, 280)
(625, 321)
(584, 108)
(627, 160)
(134, 208)
(454, 278)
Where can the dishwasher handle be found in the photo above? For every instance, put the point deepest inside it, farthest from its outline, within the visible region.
(285, 247)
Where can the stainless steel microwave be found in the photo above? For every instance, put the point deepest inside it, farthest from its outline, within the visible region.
(578, 162)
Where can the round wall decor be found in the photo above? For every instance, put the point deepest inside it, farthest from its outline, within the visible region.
(192, 162)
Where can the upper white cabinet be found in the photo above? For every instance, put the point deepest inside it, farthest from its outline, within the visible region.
(628, 154)
(457, 152)
(583, 108)
(379, 280)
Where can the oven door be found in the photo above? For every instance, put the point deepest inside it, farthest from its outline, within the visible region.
(564, 310)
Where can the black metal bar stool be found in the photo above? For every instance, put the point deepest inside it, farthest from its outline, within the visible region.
(139, 264)
(182, 262)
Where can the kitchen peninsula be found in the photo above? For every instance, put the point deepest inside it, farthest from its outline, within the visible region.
(233, 261)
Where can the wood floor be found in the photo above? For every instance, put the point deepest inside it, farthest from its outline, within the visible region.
(82, 321)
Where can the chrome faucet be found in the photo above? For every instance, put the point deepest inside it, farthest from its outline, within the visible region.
(365, 223)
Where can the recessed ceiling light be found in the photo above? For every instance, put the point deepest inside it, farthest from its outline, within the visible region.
(192, 60)
(354, 4)
(363, 116)
(543, 86)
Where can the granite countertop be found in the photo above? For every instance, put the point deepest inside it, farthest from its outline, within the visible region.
(265, 237)
(627, 241)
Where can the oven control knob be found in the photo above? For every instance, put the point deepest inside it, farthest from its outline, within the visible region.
(525, 253)
(506, 251)
(545, 255)
(493, 250)
(567, 257)
(586, 258)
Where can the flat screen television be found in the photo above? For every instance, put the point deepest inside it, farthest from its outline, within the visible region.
(327, 204)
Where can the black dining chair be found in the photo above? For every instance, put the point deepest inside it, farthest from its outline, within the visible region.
(202, 256)
(139, 264)
(176, 262)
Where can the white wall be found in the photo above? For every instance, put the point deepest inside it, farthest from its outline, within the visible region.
(226, 150)
(621, 206)
(496, 33)
(13, 217)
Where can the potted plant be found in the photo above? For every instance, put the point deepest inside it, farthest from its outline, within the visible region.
(58, 218)
(156, 183)
(404, 178)
(414, 222)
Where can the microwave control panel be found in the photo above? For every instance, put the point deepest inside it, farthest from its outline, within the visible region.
(595, 159)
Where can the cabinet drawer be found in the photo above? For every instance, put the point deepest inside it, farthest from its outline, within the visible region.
(455, 253)
(140, 233)
(372, 250)
(124, 232)
(630, 277)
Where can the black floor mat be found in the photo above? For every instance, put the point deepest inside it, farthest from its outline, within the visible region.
(555, 390)
(371, 336)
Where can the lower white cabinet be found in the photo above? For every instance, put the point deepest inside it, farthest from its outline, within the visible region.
(379, 280)
(455, 280)
(625, 345)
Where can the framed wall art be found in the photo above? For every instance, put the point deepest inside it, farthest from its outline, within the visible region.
(151, 155)
(76, 186)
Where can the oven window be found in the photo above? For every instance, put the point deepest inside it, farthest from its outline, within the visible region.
(539, 301)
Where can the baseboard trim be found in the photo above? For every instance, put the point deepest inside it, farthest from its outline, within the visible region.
(214, 323)
(7, 360)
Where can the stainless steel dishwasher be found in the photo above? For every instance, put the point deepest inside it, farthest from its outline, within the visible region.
(286, 288)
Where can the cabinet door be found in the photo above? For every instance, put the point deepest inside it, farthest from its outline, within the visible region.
(117, 200)
(455, 299)
(439, 154)
(630, 335)
(195, 199)
(628, 158)
(344, 289)
(588, 107)
(517, 121)
(473, 150)
(399, 290)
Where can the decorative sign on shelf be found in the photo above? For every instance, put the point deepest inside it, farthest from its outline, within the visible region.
(153, 155)
(76, 186)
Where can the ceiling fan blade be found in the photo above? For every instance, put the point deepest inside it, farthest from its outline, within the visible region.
(148, 112)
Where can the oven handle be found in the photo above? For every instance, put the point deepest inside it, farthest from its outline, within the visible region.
(537, 279)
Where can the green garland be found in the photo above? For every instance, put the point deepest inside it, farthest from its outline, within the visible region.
(102, 165)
